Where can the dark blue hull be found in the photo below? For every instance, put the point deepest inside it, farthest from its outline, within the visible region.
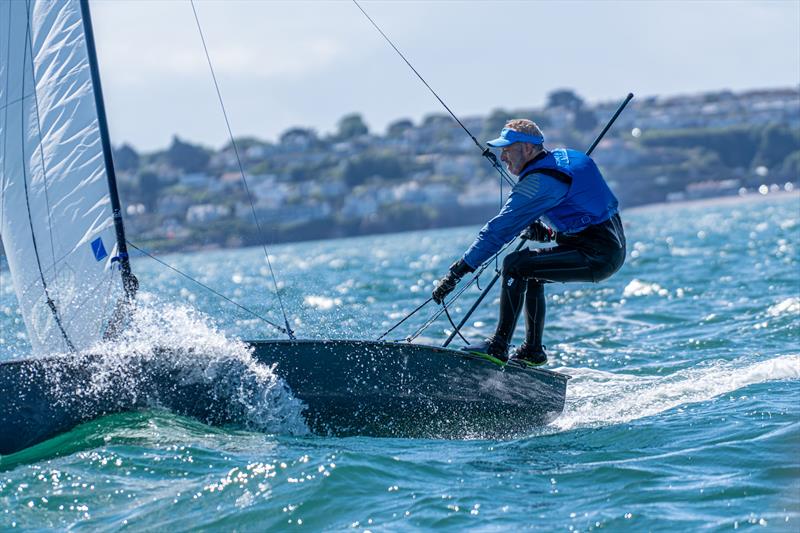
(348, 387)
(411, 390)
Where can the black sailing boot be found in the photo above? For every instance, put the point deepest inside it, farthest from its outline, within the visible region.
(495, 348)
(529, 355)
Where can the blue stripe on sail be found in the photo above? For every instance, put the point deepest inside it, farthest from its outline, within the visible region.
(98, 249)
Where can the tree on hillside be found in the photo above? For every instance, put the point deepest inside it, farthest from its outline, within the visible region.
(304, 171)
(776, 143)
(565, 98)
(243, 143)
(149, 189)
(437, 120)
(126, 158)
(300, 137)
(397, 128)
(351, 126)
(736, 145)
(791, 166)
(187, 157)
(359, 169)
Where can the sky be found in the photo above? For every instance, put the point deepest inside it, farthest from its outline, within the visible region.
(307, 63)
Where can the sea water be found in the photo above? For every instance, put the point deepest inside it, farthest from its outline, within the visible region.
(683, 412)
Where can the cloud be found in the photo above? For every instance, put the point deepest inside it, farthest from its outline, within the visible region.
(282, 64)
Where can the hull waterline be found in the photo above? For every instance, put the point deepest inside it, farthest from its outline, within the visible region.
(409, 390)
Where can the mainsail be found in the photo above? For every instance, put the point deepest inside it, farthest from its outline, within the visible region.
(56, 217)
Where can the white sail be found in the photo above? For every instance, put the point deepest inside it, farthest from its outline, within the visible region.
(55, 212)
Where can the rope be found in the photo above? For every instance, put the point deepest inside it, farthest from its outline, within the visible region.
(458, 294)
(439, 312)
(457, 330)
(198, 282)
(288, 331)
(412, 313)
(485, 152)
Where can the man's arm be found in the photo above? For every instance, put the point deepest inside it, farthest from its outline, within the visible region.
(529, 200)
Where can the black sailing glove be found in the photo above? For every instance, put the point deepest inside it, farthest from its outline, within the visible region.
(538, 232)
(451, 279)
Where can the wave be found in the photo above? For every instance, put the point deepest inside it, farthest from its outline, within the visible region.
(595, 397)
(172, 356)
(787, 306)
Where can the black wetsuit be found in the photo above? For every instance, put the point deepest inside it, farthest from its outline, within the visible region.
(593, 254)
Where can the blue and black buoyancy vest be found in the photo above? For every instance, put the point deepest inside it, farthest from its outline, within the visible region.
(589, 200)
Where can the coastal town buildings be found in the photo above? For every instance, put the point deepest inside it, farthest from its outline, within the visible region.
(430, 174)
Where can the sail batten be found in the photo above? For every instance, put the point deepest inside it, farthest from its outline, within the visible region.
(57, 222)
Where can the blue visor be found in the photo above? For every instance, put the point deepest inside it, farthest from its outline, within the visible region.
(509, 136)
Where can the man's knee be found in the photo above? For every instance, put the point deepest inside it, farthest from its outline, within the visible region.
(511, 264)
(535, 287)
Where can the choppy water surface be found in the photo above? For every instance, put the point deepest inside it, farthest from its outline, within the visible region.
(684, 409)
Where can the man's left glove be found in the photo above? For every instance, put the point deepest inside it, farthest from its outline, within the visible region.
(538, 232)
(446, 285)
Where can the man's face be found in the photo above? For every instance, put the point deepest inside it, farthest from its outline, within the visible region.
(515, 156)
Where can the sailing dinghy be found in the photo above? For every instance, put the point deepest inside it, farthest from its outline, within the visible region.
(63, 234)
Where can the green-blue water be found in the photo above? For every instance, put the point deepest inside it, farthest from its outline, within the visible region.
(683, 413)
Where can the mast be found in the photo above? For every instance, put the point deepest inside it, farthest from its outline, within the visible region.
(129, 281)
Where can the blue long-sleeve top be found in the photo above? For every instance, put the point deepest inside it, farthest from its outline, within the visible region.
(530, 198)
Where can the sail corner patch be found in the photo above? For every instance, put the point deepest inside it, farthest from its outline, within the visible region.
(98, 249)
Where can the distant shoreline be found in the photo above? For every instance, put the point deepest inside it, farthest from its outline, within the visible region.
(716, 200)
(719, 200)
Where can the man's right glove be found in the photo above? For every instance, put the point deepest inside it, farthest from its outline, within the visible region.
(538, 232)
(446, 285)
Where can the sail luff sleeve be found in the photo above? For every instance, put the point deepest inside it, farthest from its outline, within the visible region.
(116, 207)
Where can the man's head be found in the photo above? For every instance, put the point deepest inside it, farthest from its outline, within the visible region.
(521, 140)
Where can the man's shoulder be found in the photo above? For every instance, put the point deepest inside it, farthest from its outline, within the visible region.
(537, 183)
(556, 174)
(529, 186)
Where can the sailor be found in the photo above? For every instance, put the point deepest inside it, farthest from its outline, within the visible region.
(560, 189)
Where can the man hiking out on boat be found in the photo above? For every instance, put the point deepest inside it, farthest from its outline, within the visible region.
(565, 188)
